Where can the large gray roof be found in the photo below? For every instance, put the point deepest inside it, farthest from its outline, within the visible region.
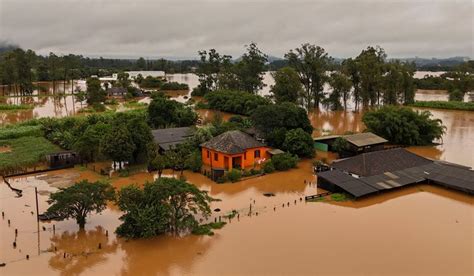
(379, 162)
(232, 142)
(167, 138)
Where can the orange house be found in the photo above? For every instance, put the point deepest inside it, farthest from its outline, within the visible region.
(233, 149)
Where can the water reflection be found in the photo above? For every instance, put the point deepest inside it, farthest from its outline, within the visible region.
(74, 252)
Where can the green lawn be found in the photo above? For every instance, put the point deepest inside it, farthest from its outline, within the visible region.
(25, 151)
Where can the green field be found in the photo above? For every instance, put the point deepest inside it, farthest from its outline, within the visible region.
(469, 106)
(24, 152)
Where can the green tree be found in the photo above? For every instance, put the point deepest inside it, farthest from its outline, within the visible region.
(167, 205)
(95, 93)
(340, 145)
(456, 95)
(276, 119)
(311, 62)
(287, 86)
(299, 142)
(158, 163)
(403, 126)
(118, 144)
(250, 69)
(370, 63)
(81, 199)
(211, 66)
(284, 161)
(123, 79)
(163, 112)
(341, 87)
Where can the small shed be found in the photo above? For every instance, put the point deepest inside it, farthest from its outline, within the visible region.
(61, 160)
(365, 142)
(358, 143)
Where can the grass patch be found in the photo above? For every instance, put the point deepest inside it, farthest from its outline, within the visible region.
(134, 104)
(339, 197)
(469, 106)
(25, 151)
(14, 107)
(206, 229)
(17, 131)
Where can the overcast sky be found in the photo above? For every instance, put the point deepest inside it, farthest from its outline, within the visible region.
(179, 28)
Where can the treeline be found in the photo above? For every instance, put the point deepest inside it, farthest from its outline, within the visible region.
(20, 68)
(457, 82)
(368, 79)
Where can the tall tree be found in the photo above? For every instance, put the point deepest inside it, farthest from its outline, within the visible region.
(350, 68)
(287, 86)
(118, 144)
(311, 62)
(95, 93)
(341, 87)
(370, 63)
(250, 69)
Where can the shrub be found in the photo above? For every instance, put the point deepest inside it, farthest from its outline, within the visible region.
(299, 142)
(403, 126)
(174, 86)
(194, 162)
(340, 145)
(284, 161)
(237, 102)
(268, 167)
(206, 229)
(339, 197)
(234, 175)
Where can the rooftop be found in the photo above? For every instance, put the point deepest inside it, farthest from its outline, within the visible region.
(170, 137)
(378, 162)
(364, 139)
(232, 142)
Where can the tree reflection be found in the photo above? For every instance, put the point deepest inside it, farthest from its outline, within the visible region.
(81, 249)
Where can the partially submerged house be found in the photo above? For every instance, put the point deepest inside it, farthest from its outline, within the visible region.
(168, 138)
(378, 171)
(232, 149)
(358, 143)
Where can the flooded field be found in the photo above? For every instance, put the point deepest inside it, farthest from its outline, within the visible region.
(46, 105)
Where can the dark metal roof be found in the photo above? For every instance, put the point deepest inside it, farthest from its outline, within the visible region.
(167, 138)
(364, 139)
(232, 142)
(349, 184)
(450, 175)
(378, 162)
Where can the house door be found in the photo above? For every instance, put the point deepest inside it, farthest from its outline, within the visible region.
(237, 162)
(226, 162)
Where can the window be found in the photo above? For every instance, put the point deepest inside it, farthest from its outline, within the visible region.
(216, 156)
(208, 154)
(257, 153)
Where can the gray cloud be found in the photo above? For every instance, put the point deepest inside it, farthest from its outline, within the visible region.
(180, 28)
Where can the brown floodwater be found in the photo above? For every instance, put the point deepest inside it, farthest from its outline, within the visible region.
(420, 229)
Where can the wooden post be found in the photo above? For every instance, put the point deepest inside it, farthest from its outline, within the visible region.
(37, 207)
